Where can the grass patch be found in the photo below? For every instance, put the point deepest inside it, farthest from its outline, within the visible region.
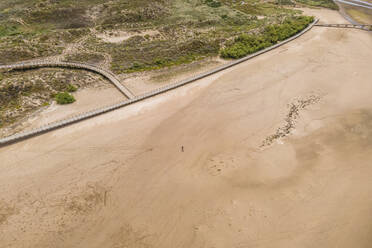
(64, 98)
(71, 88)
(186, 30)
(160, 54)
(189, 31)
(320, 3)
(248, 44)
(90, 58)
(213, 3)
(268, 9)
(8, 30)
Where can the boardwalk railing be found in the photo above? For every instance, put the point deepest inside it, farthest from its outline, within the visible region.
(90, 114)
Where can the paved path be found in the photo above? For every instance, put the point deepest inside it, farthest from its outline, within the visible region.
(132, 99)
(107, 74)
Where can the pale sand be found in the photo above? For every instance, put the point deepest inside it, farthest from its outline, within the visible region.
(121, 180)
(87, 99)
(120, 36)
(140, 83)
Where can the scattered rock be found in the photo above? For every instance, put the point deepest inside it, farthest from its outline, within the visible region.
(290, 120)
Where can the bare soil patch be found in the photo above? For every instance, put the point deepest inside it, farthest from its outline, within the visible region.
(116, 36)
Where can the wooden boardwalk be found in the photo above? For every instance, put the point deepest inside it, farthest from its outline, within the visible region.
(72, 65)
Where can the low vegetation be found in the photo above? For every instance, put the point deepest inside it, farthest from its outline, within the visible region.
(71, 88)
(213, 3)
(330, 4)
(181, 31)
(64, 98)
(247, 44)
(86, 57)
(22, 92)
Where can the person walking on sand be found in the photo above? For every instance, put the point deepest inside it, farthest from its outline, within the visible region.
(182, 149)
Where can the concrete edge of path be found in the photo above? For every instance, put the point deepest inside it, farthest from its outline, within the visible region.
(87, 115)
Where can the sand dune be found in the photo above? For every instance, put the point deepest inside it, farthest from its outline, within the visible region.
(121, 180)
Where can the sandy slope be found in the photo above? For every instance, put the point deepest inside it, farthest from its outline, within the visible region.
(121, 180)
(88, 99)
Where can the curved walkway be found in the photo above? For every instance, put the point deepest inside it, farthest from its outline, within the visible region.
(107, 74)
(362, 27)
(90, 114)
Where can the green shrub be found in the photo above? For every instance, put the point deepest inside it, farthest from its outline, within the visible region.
(64, 98)
(213, 3)
(136, 66)
(8, 30)
(284, 2)
(248, 44)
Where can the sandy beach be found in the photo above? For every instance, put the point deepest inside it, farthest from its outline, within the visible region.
(276, 153)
